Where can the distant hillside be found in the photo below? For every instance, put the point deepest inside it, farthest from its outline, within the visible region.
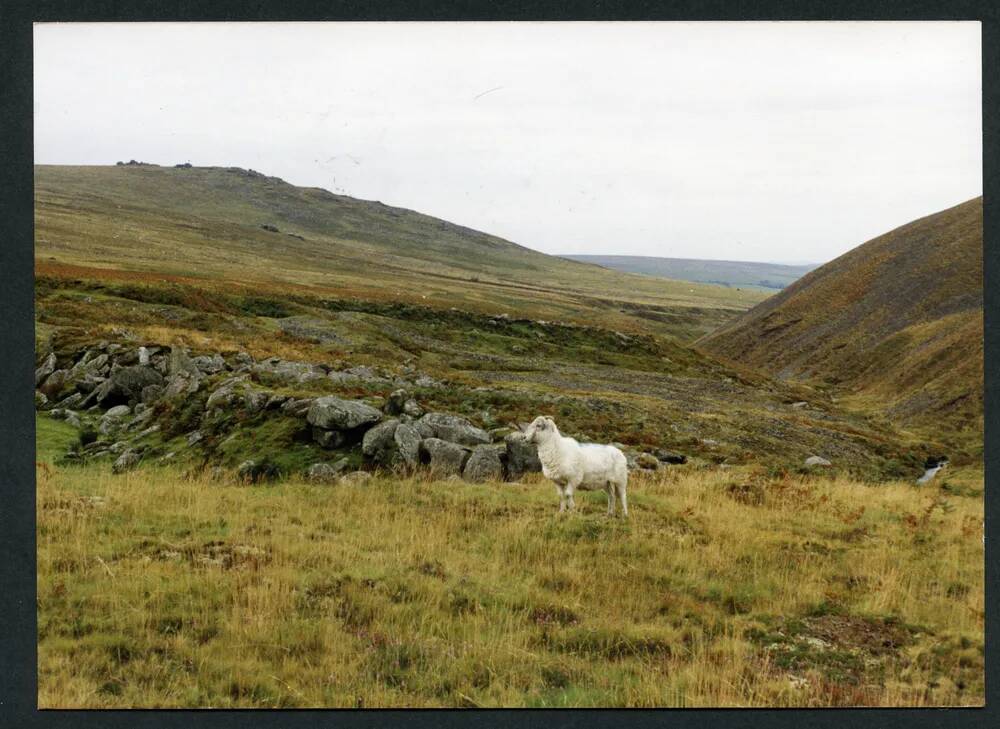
(724, 273)
(896, 324)
(243, 226)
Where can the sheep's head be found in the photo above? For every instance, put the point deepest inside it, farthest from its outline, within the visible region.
(540, 429)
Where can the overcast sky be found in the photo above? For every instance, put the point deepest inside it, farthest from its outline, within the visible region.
(780, 142)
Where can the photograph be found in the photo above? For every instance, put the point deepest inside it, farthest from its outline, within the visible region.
(507, 365)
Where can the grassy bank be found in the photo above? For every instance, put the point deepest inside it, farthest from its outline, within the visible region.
(725, 588)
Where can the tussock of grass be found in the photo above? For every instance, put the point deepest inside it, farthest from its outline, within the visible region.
(160, 589)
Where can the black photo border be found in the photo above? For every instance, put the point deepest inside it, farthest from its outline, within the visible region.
(18, 639)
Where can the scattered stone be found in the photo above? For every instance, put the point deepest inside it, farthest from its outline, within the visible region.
(408, 439)
(143, 356)
(326, 472)
(40, 400)
(395, 402)
(181, 364)
(297, 407)
(126, 384)
(356, 478)
(118, 411)
(379, 444)
(54, 383)
(255, 400)
(817, 461)
(209, 365)
(253, 472)
(194, 436)
(647, 461)
(73, 419)
(46, 369)
(668, 457)
(333, 413)
(445, 458)
(126, 461)
(522, 456)
(799, 405)
(455, 429)
(483, 465)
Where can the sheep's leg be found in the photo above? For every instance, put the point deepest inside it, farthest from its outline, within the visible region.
(562, 498)
(570, 488)
(611, 499)
(620, 488)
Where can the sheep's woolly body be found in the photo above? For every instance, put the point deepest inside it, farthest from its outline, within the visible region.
(573, 466)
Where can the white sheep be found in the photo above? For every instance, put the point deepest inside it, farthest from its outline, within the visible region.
(572, 465)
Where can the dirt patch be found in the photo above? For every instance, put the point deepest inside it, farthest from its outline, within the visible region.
(876, 636)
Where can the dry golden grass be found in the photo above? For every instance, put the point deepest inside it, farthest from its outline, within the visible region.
(724, 588)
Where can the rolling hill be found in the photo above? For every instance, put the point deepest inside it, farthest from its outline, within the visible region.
(895, 325)
(743, 274)
(247, 228)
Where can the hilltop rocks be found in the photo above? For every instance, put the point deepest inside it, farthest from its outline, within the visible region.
(483, 465)
(454, 429)
(332, 413)
(444, 458)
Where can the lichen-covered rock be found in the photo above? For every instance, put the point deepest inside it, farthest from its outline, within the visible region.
(126, 461)
(379, 444)
(209, 364)
(126, 384)
(45, 369)
(455, 429)
(817, 461)
(668, 457)
(522, 456)
(297, 407)
(408, 440)
(395, 402)
(483, 465)
(326, 472)
(255, 400)
(253, 472)
(356, 478)
(444, 457)
(181, 364)
(52, 385)
(40, 400)
(647, 461)
(332, 413)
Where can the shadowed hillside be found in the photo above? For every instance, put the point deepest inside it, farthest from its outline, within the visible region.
(725, 273)
(242, 226)
(895, 324)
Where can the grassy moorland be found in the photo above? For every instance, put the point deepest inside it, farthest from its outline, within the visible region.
(742, 578)
(204, 226)
(895, 325)
(161, 588)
